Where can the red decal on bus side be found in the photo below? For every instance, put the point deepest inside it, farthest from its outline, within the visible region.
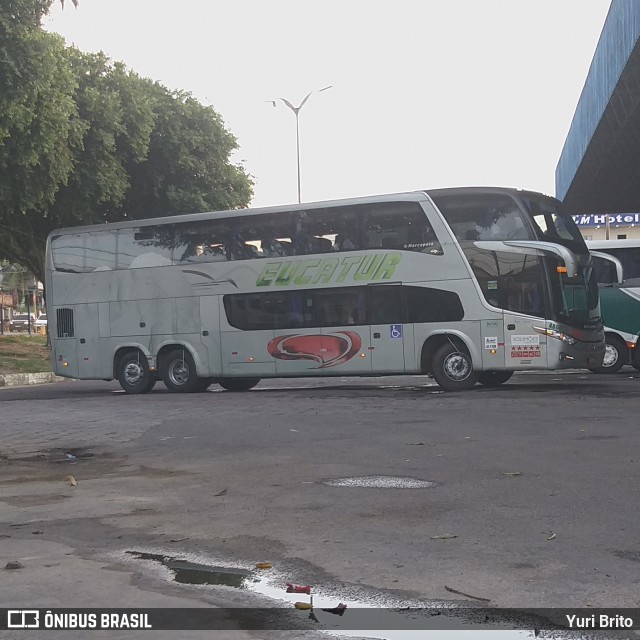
(328, 350)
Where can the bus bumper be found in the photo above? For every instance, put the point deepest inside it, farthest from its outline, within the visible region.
(582, 355)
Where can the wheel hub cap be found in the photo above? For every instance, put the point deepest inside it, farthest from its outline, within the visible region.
(133, 373)
(179, 372)
(457, 367)
(610, 356)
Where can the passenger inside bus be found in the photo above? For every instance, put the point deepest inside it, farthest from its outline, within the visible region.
(271, 248)
(343, 243)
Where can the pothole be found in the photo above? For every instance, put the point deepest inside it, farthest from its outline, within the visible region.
(194, 573)
(347, 613)
(381, 482)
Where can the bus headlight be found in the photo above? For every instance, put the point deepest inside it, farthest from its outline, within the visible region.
(558, 335)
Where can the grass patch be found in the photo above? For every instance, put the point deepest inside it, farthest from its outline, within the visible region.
(24, 354)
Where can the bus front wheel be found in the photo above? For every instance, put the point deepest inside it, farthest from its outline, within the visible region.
(133, 373)
(238, 384)
(616, 355)
(453, 368)
(494, 378)
(178, 372)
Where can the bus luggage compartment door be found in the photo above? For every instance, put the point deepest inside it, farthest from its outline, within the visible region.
(245, 353)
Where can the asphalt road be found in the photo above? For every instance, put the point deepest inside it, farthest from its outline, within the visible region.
(534, 500)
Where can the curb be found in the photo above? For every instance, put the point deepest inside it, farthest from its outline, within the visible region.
(21, 379)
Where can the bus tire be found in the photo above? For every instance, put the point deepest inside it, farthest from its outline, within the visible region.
(178, 372)
(238, 384)
(616, 355)
(494, 378)
(133, 373)
(453, 368)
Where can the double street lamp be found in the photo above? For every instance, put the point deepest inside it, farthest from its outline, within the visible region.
(296, 113)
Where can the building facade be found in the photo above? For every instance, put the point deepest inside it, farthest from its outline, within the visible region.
(598, 173)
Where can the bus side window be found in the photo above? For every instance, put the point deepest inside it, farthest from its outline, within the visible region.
(385, 305)
(400, 226)
(200, 241)
(144, 247)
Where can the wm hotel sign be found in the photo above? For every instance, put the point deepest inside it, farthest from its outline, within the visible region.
(600, 219)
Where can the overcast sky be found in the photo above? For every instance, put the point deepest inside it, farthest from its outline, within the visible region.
(426, 93)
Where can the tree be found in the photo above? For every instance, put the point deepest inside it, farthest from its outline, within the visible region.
(39, 129)
(84, 140)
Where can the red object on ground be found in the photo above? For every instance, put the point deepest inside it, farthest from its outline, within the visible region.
(298, 588)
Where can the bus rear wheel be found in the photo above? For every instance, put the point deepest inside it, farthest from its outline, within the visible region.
(616, 355)
(178, 372)
(494, 378)
(453, 368)
(133, 373)
(238, 384)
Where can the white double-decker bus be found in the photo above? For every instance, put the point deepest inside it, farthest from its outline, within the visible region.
(466, 284)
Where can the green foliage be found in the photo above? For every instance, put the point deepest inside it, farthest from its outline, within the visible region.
(84, 140)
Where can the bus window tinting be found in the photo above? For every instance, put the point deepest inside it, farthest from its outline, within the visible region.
(144, 247)
(604, 271)
(100, 251)
(343, 306)
(205, 241)
(483, 217)
(511, 281)
(394, 225)
(68, 252)
(630, 258)
(550, 225)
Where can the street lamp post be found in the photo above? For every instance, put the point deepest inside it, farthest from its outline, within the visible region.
(296, 113)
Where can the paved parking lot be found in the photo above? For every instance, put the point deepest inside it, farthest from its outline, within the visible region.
(533, 502)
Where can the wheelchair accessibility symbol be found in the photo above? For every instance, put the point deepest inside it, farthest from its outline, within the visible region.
(396, 330)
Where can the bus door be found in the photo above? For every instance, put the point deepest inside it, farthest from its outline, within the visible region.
(524, 346)
(388, 333)
(522, 295)
(87, 332)
(210, 332)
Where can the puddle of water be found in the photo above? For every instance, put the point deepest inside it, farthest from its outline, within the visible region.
(441, 621)
(381, 482)
(193, 573)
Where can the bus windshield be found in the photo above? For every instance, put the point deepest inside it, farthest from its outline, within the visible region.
(575, 300)
(484, 215)
(551, 223)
